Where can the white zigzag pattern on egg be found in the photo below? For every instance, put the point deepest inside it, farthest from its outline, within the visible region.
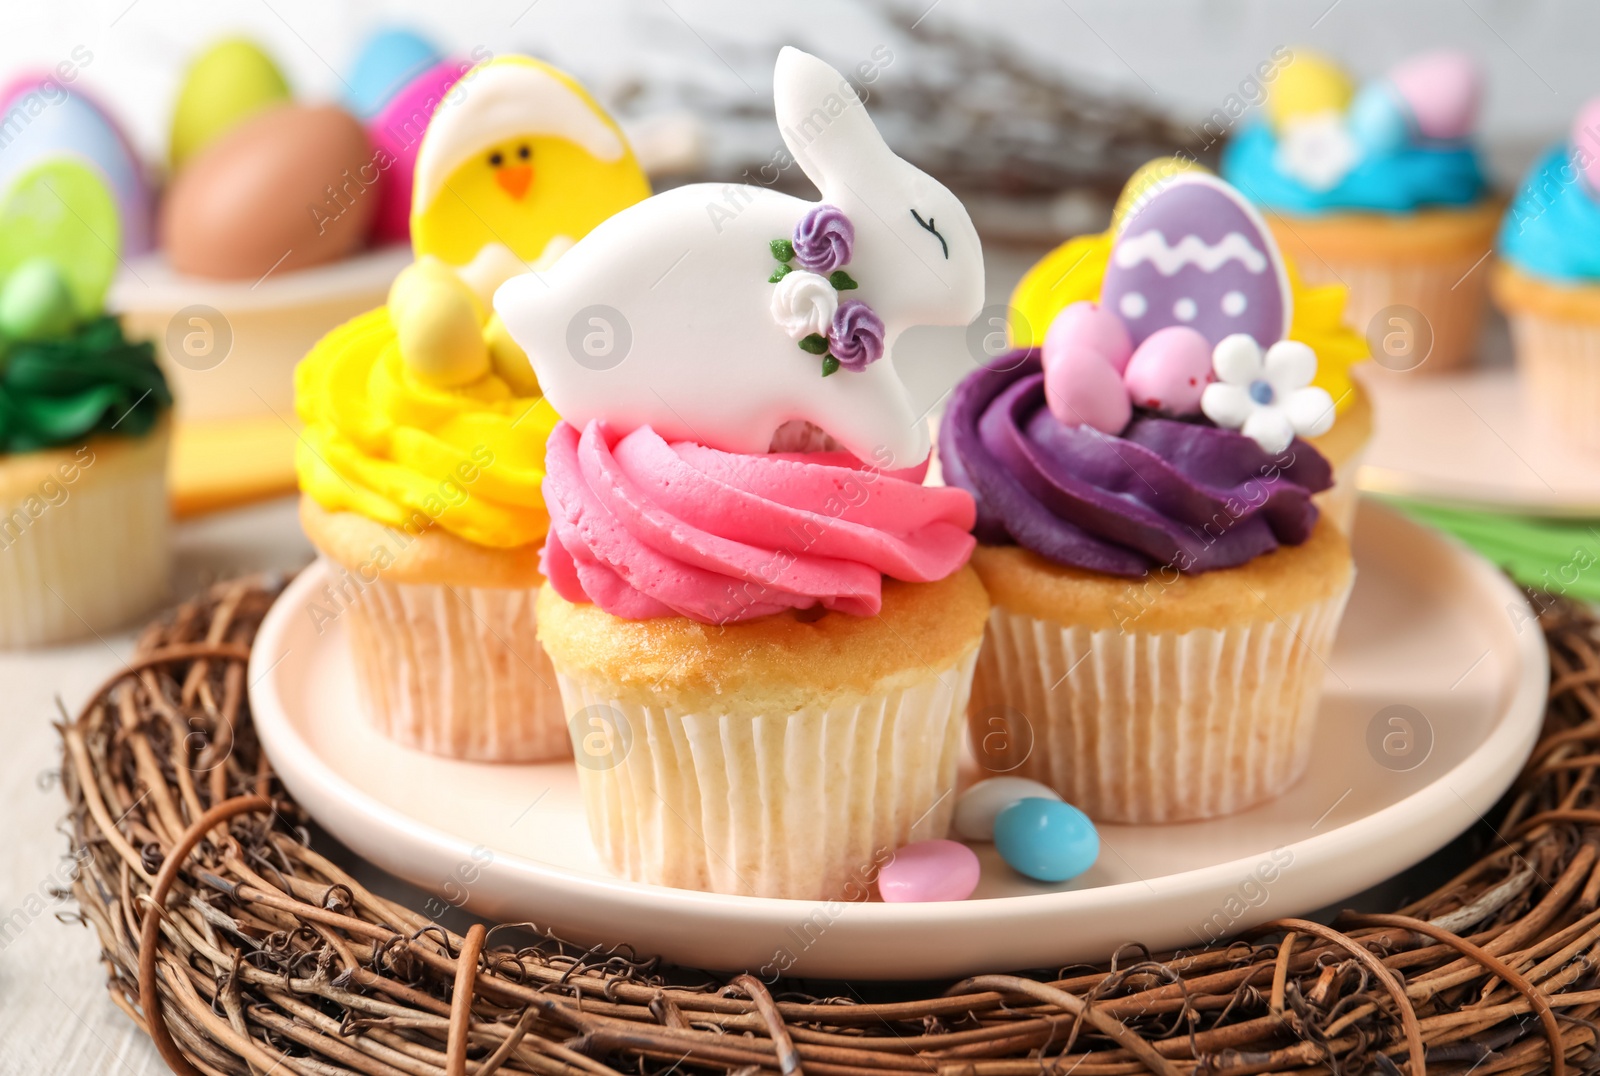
(1191, 250)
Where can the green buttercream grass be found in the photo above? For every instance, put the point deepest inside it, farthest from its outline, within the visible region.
(91, 381)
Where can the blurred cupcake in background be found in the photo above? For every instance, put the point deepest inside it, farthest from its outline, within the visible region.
(1380, 189)
(424, 448)
(1164, 586)
(1075, 272)
(1548, 282)
(277, 222)
(83, 427)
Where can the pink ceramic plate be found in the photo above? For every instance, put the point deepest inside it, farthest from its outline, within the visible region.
(1435, 692)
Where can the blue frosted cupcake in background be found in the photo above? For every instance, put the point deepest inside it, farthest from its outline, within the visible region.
(1548, 282)
(1380, 188)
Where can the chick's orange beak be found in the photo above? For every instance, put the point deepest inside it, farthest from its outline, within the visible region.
(515, 179)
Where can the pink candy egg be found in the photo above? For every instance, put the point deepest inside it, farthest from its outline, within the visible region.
(929, 870)
(1443, 90)
(1169, 371)
(396, 131)
(1084, 352)
(1586, 137)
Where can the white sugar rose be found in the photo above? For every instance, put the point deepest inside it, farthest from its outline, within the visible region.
(804, 303)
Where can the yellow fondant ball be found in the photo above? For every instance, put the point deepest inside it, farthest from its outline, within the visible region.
(1307, 85)
(227, 84)
(438, 324)
(509, 361)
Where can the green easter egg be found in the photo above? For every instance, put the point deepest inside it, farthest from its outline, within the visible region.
(62, 210)
(229, 82)
(36, 302)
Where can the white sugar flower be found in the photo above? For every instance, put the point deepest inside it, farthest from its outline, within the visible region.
(1268, 398)
(804, 303)
(1318, 150)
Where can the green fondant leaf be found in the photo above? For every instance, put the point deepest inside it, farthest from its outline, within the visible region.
(841, 280)
(816, 343)
(783, 249)
(830, 365)
(779, 273)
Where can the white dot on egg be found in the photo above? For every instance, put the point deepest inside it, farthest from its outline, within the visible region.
(1133, 305)
(1233, 303)
(1185, 309)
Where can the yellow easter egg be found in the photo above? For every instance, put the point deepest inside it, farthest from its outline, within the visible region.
(438, 325)
(524, 155)
(227, 84)
(1307, 85)
(509, 361)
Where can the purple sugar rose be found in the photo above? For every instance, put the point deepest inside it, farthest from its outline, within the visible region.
(856, 336)
(824, 239)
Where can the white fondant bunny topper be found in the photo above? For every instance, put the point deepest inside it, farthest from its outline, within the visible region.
(664, 315)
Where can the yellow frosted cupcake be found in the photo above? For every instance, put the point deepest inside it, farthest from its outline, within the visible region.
(1380, 190)
(1165, 587)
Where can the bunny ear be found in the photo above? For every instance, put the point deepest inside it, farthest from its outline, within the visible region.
(823, 121)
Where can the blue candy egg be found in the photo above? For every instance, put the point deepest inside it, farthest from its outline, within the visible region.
(386, 65)
(1046, 839)
(1378, 121)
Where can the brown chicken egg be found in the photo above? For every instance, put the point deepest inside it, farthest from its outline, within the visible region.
(292, 187)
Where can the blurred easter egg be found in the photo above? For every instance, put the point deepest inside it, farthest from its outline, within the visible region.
(977, 806)
(288, 189)
(36, 302)
(1197, 254)
(43, 118)
(1379, 120)
(386, 64)
(1084, 352)
(61, 209)
(1442, 91)
(1046, 840)
(1169, 371)
(929, 871)
(1145, 181)
(397, 131)
(229, 82)
(1586, 142)
(1307, 85)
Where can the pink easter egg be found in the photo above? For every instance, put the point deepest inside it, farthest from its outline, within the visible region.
(1586, 142)
(1084, 353)
(1443, 91)
(396, 132)
(929, 870)
(1169, 371)
(1087, 326)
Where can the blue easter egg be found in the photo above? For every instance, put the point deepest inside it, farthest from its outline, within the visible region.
(1046, 839)
(1378, 121)
(387, 63)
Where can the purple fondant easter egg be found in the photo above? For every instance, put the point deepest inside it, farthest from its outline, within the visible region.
(397, 132)
(1197, 254)
(1442, 91)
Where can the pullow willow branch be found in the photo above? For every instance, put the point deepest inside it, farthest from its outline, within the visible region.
(242, 950)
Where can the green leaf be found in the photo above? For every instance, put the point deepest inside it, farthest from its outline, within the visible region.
(830, 365)
(841, 280)
(816, 343)
(783, 249)
(779, 273)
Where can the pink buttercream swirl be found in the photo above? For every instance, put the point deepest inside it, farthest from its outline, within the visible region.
(643, 528)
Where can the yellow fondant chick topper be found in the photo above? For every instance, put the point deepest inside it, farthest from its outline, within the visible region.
(516, 166)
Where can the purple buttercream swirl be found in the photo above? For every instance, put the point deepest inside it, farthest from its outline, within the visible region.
(856, 336)
(1165, 492)
(824, 239)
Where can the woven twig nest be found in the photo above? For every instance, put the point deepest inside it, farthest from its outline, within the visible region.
(242, 950)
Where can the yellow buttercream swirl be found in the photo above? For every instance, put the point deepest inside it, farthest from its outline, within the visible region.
(383, 444)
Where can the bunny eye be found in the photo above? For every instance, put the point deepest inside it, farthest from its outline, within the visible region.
(927, 225)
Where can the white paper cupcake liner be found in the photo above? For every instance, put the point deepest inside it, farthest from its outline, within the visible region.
(1560, 365)
(805, 805)
(453, 671)
(1137, 727)
(90, 555)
